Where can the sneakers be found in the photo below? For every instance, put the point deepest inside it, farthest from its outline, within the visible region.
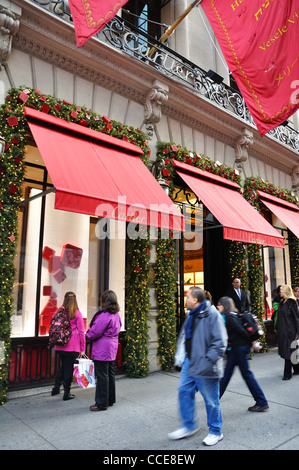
(212, 439)
(181, 433)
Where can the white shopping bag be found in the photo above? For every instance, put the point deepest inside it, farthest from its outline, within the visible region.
(84, 373)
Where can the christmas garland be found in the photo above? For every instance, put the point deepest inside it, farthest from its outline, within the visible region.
(167, 152)
(14, 129)
(166, 290)
(137, 306)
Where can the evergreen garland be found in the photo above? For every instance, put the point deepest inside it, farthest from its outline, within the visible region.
(237, 263)
(137, 306)
(166, 290)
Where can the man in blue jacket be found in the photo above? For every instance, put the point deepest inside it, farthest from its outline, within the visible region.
(205, 340)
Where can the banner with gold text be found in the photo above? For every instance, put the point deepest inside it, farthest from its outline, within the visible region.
(260, 42)
(90, 16)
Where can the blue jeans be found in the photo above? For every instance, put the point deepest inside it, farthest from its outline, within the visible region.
(209, 388)
(239, 357)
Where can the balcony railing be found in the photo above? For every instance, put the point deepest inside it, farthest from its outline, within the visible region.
(128, 38)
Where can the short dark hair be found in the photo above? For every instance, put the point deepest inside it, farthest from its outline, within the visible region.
(198, 294)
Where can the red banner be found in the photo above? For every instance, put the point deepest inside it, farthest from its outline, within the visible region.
(260, 42)
(90, 16)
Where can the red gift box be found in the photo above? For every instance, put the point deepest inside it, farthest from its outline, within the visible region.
(47, 252)
(71, 256)
(59, 276)
(54, 264)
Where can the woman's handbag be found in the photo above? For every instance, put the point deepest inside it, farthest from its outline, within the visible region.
(84, 372)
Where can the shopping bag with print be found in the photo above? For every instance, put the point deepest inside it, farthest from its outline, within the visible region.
(84, 372)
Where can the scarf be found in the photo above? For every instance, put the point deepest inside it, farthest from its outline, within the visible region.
(195, 311)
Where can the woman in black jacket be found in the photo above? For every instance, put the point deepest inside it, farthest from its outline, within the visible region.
(287, 327)
(240, 343)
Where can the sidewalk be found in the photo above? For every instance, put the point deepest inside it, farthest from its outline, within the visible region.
(146, 411)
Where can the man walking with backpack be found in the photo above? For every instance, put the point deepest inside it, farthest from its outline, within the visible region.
(239, 341)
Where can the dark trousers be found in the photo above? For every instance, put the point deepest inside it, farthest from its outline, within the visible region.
(239, 357)
(288, 365)
(105, 388)
(65, 374)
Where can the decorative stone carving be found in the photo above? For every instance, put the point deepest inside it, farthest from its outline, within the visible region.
(157, 96)
(9, 25)
(295, 179)
(241, 149)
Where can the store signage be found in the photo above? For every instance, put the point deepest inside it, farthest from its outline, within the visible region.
(90, 16)
(260, 42)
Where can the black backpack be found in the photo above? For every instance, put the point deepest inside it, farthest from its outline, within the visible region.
(251, 325)
(60, 330)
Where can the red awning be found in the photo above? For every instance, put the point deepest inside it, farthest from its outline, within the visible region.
(100, 175)
(285, 211)
(241, 221)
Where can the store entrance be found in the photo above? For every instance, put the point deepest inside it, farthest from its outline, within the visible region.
(202, 261)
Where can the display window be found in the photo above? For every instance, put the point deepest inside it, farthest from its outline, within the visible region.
(58, 251)
(277, 271)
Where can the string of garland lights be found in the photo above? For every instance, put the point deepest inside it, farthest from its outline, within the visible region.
(15, 130)
(165, 288)
(137, 306)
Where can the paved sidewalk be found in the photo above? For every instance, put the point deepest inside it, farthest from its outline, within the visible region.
(146, 411)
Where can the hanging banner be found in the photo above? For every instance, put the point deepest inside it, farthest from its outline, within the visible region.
(260, 42)
(90, 16)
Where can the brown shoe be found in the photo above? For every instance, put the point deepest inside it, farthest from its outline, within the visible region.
(95, 408)
(258, 408)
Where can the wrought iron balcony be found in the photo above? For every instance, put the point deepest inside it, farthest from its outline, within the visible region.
(126, 37)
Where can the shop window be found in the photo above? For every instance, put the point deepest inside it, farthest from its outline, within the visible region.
(58, 251)
(145, 15)
(276, 269)
(276, 262)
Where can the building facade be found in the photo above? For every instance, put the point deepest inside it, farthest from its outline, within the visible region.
(160, 97)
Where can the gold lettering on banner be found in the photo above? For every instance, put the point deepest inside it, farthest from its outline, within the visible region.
(280, 31)
(262, 9)
(90, 20)
(287, 71)
(236, 4)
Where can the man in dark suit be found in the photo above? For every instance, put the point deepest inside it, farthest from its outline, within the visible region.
(239, 296)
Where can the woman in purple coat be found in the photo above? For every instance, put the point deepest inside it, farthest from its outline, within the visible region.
(103, 332)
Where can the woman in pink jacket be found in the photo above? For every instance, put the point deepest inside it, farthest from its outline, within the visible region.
(103, 332)
(75, 346)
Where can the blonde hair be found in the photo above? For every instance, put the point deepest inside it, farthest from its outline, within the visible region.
(287, 292)
(70, 303)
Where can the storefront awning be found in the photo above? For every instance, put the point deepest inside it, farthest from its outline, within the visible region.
(241, 222)
(285, 211)
(96, 174)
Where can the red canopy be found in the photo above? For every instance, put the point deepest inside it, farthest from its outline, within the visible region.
(285, 211)
(100, 175)
(241, 221)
